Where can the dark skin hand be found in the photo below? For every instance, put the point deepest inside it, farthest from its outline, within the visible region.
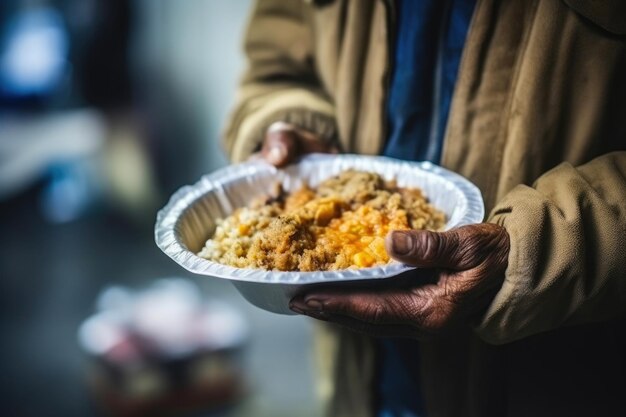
(466, 267)
(284, 143)
(460, 270)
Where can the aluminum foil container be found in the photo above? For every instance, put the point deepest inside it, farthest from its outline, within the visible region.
(188, 220)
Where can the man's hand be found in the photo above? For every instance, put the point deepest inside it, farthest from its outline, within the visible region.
(285, 142)
(466, 268)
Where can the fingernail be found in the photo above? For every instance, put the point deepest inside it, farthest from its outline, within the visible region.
(401, 243)
(276, 154)
(314, 304)
(295, 309)
(298, 306)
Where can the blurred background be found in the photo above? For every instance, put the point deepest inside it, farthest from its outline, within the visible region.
(106, 108)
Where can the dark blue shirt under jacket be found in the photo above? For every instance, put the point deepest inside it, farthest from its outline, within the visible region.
(429, 40)
(430, 36)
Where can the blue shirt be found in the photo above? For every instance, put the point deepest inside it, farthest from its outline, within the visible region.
(429, 42)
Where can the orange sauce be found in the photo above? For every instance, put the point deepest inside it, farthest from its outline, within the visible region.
(359, 236)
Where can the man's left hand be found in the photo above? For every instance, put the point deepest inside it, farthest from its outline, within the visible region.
(466, 267)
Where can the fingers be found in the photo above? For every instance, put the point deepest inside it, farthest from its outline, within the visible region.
(400, 312)
(365, 306)
(285, 142)
(280, 147)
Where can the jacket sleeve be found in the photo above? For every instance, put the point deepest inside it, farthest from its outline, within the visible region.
(280, 83)
(567, 263)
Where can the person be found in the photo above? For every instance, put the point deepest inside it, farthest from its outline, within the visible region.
(524, 314)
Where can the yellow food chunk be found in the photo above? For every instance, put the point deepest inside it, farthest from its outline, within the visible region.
(243, 229)
(363, 260)
(326, 212)
(377, 246)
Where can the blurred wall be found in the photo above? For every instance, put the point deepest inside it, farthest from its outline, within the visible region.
(186, 58)
(189, 57)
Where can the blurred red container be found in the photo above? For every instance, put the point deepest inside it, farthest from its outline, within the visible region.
(164, 351)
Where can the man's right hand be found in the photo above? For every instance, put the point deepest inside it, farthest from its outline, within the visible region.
(285, 142)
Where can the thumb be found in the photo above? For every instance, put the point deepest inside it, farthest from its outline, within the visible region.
(280, 146)
(425, 249)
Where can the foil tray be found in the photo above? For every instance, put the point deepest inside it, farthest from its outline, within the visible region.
(188, 220)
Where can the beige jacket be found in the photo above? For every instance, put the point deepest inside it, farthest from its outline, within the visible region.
(538, 122)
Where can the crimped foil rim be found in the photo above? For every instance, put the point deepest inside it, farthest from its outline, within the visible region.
(168, 241)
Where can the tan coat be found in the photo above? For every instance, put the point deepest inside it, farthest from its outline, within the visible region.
(538, 122)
